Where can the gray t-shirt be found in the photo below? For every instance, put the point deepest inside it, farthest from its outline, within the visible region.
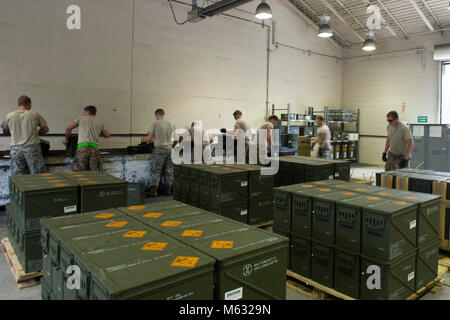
(24, 127)
(327, 136)
(162, 131)
(242, 124)
(89, 129)
(398, 137)
(266, 125)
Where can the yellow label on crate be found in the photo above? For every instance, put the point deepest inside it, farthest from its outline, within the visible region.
(154, 246)
(411, 198)
(135, 234)
(153, 215)
(104, 215)
(361, 189)
(136, 208)
(55, 181)
(385, 194)
(340, 186)
(172, 224)
(187, 262)
(307, 186)
(348, 193)
(222, 244)
(192, 233)
(373, 198)
(116, 224)
(325, 190)
(399, 203)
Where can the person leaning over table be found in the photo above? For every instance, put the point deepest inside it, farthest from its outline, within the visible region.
(87, 156)
(399, 143)
(24, 127)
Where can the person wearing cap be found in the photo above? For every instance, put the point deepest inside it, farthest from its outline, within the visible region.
(24, 127)
(87, 156)
(399, 143)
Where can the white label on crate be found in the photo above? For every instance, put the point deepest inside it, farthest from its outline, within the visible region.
(412, 224)
(411, 276)
(70, 209)
(243, 212)
(336, 174)
(235, 294)
(244, 183)
(331, 177)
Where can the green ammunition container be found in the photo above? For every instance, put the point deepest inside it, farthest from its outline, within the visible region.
(396, 278)
(315, 171)
(388, 228)
(427, 264)
(45, 292)
(428, 217)
(238, 211)
(260, 211)
(327, 183)
(356, 187)
(203, 179)
(322, 263)
(289, 236)
(347, 273)
(324, 212)
(136, 193)
(301, 255)
(51, 244)
(420, 183)
(259, 186)
(244, 255)
(341, 168)
(99, 191)
(26, 245)
(37, 196)
(283, 205)
(292, 171)
(177, 182)
(378, 179)
(194, 185)
(349, 220)
(227, 186)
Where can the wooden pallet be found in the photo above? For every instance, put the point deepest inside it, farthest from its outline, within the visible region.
(264, 224)
(23, 280)
(318, 291)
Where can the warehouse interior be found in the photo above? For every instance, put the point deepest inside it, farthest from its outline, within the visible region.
(200, 60)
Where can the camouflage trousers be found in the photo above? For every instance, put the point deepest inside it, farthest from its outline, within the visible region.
(162, 165)
(27, 159)
(393, 162)
(87, 158)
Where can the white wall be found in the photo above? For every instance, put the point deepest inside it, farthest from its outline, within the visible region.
(380, 84)
(201, 71)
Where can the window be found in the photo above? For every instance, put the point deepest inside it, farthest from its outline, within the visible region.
(445, 95)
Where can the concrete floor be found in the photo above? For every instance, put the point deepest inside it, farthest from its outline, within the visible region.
(9, 290)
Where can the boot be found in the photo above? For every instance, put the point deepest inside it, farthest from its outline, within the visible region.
(152, 193)
(167, 190)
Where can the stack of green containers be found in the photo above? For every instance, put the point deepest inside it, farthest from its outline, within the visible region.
(238, 192)
(340, 230)
(50, 195)
(162, 251)
(32, 198)
(120, 258)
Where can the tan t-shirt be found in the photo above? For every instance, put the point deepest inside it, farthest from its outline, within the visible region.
(242, 124)
(266, 125)
(398, 137)
(24, 126)
(162, 131)
(89, 129)
(325, 131)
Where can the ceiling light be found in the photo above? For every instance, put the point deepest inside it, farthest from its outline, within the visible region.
(263, 11)
(369, 44)
(449, 6)
(325, 29)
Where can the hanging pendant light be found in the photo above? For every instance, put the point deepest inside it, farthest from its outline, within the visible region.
(325, 29)
(369, 44)
(263, 11)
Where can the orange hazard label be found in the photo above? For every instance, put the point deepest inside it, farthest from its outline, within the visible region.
(153, 215)
(340, 186)
(55, 181)
(83, 179)
(60, 185)
(78, 175)
(104, 215)
(172, 224)
(116, 224)
(135, 234)
(91, 182)
(399, 203)
(188, 262)
(411, 198)
(361, 189)
(373, 198)
(136, 208)
(385, 194)
(348, 193)
(49, 178)
(192, 233)
(307, 186)
(222, 244)
(154, 246)
(325, 190)
(320, 182)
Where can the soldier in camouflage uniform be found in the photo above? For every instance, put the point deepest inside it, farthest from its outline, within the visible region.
(162, 163)
(88, 155)
(25, 127)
